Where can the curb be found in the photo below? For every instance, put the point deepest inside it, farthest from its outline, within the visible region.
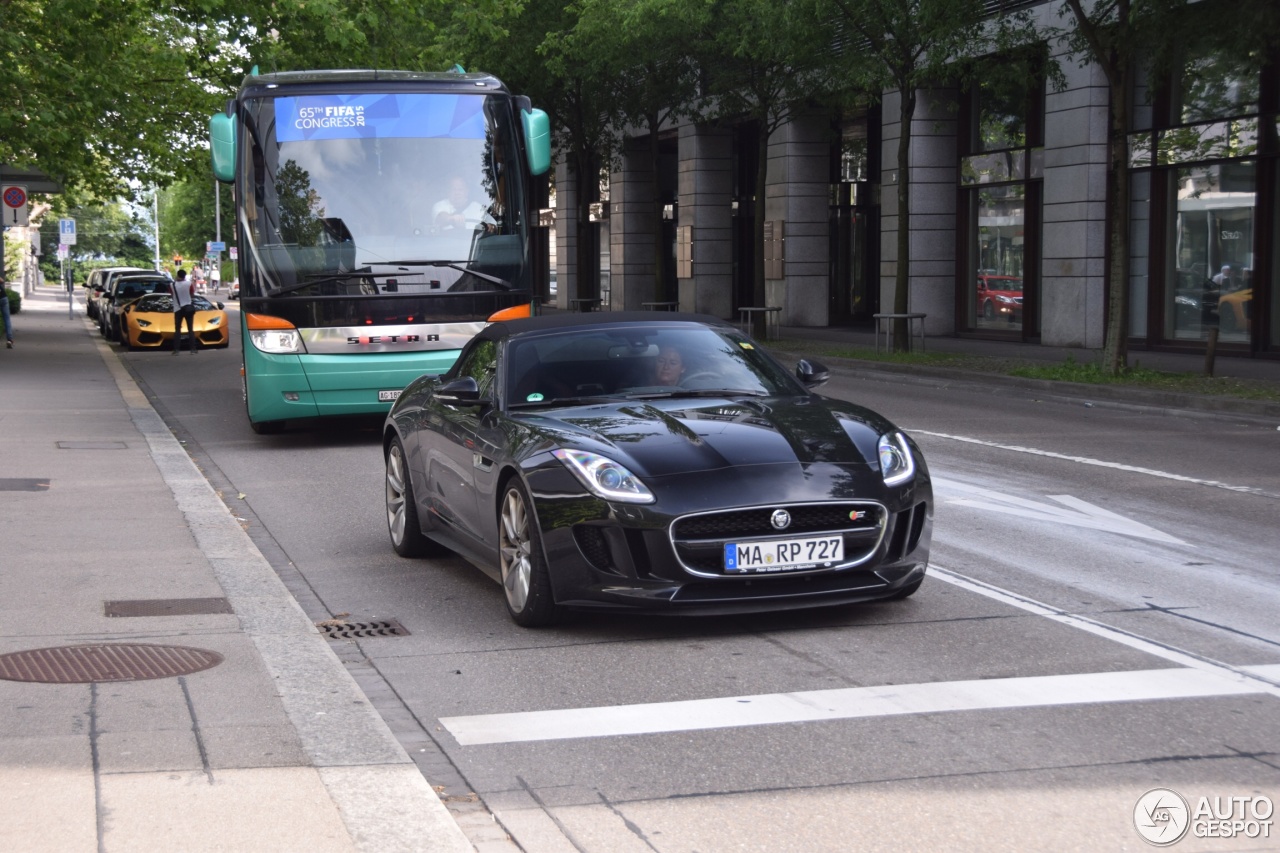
(382, 796)
(1068, 391)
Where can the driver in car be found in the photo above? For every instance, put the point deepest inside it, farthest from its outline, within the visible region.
(669, 367)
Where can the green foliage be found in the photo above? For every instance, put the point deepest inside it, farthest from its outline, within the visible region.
(188, 220)
(101, 92)
(15, 300)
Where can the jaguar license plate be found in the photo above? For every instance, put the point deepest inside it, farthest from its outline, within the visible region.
(783, 555)
(388, 396)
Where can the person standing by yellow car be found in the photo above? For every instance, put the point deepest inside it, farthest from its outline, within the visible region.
(183, 309)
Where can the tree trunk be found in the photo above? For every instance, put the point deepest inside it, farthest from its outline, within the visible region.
(585, 255)
(902, 282)
(760, 320)
(1116, 349)
(659, 245)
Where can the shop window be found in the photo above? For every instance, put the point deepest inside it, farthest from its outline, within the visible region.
(1000, 173)
(1211, 247)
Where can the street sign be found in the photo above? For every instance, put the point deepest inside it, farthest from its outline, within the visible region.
(64, 251)
(233, 252)
(14, 210)
(217, 246)
(67, 232)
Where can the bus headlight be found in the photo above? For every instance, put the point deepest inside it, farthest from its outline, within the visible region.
(273, 334)
(278, 341)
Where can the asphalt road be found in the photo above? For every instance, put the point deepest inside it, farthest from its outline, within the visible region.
(1100, 621)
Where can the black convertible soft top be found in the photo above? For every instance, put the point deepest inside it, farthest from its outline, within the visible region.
(591, 319)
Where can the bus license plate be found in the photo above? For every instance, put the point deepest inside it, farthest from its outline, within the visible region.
(388, 396)
(782, 555)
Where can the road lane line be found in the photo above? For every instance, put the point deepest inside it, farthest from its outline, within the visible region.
(847, 703)
(1100, 463)
(1266, 681)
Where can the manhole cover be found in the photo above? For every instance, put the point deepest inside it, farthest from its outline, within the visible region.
(339, 629)
(105, 662)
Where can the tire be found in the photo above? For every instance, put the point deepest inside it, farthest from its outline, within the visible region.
(989, 311)
(266, 427)
(402, 510)
(124, 339)
(526, 582)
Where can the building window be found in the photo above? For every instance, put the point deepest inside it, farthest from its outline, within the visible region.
(1001, 169)
(1211, 238)
(1207, 155)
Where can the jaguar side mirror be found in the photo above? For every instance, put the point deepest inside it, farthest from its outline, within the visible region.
(812, 374)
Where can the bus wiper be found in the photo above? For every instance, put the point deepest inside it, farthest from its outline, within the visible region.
(324, 278)
(460, 266)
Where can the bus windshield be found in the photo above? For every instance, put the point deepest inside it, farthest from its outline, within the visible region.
(364, 194)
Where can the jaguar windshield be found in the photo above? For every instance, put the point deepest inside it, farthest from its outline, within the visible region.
(346, 187)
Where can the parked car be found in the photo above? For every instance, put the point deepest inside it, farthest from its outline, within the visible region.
(235, 290)
(148, 323)
(556, 458)
(97, 282)
(124, 290)
(1000, 296)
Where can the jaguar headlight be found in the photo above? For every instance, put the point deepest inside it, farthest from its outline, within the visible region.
(605, 478)
(896, 463)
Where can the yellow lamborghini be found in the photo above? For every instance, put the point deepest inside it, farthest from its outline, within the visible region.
(147, 323)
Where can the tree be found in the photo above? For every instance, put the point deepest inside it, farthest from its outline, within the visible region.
(764, 61)
(107, 234)
(103, 93)
(645, 47)
(903, 46)
(188, 220)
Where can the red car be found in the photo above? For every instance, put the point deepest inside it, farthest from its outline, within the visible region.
(1000, 296)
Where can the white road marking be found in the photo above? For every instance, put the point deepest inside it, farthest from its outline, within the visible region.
(1085, 460)
(848, 703)
(1267, 677)
(1074, 511)
(1194, 676)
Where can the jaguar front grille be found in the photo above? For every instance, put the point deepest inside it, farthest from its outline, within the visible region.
(699, 539)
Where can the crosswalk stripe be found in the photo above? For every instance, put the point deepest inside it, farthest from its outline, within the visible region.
(851, 703)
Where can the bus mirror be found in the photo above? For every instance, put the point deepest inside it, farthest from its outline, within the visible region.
(222, 146)
(537, 140)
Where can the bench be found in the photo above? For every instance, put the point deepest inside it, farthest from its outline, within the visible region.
(884, 322)
(746, 318)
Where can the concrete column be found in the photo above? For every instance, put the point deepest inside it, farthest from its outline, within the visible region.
(934, 168)
(797, 191)
(705, 193)
(631, 260)
(1072, 282)
(566, 236)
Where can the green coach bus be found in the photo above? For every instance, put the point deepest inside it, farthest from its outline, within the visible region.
(382, 218)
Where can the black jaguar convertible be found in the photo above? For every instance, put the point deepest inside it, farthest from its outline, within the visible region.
(652, 462)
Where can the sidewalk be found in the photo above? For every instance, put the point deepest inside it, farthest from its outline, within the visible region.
(232, 728)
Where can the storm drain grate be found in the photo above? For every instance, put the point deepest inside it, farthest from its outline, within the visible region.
(92, 445)
(167, 607)
(105, 662)
(341, 629)
(20, 484)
